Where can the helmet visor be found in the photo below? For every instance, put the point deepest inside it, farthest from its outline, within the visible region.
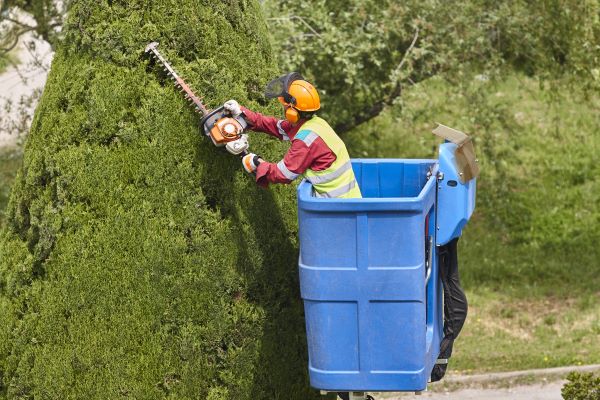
(278, 87)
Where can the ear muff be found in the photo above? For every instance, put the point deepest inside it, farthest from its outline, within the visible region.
(291, 114)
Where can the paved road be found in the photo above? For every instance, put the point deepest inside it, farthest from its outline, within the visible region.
(547, 391)
(22, 80)
(546, 384)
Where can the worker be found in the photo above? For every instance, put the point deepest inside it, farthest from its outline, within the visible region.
(316, 152)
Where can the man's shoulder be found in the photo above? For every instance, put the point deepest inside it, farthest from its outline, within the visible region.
(306, 136)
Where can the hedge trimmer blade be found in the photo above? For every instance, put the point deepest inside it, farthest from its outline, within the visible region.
(190, 96)
(221, 127)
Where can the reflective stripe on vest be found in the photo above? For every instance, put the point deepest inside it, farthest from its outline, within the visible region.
(332, 175)
(337, 192)
(336, 181)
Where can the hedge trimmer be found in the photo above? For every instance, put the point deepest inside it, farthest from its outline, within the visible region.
(221, 128)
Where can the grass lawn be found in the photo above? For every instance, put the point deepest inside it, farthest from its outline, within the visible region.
(503, 333)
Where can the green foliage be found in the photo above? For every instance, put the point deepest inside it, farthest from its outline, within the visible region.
(138, 260)
(552, 38)
(359, 52)
(581, 387)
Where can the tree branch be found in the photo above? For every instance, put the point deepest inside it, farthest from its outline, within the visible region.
(374, 111)
(302, 20)
(4, 50)
(379, 106)
(407, 52)
(16, 21)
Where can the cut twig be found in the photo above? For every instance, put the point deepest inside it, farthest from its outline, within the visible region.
(302, 20)
(4, 50)
(407, 52)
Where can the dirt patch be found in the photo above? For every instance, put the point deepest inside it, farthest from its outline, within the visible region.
(521, 318)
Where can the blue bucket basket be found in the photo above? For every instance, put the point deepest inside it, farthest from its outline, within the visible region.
(369, 279)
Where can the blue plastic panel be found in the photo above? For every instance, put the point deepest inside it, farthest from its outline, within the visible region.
(456, 201)
(331, 351)
(372, 324)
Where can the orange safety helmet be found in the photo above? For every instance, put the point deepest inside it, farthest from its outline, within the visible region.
(295, 94)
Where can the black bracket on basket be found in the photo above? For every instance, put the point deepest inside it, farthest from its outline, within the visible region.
(428, 259)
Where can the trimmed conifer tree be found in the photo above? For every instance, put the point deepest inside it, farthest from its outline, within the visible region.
(139, 261)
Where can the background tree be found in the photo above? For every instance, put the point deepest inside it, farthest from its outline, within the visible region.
(361, 53)
(357, 52)
(138, 260)
(45, 19)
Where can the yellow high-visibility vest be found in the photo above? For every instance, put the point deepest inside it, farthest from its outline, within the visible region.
(338, 180)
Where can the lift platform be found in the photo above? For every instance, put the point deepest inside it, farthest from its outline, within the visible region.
(369, 272)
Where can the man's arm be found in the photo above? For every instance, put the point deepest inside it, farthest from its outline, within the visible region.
(298, 159)
(270, 125)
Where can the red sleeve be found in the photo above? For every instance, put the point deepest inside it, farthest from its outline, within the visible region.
(269, 173)
(271, 125)
(287, 169)
(298, 159)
